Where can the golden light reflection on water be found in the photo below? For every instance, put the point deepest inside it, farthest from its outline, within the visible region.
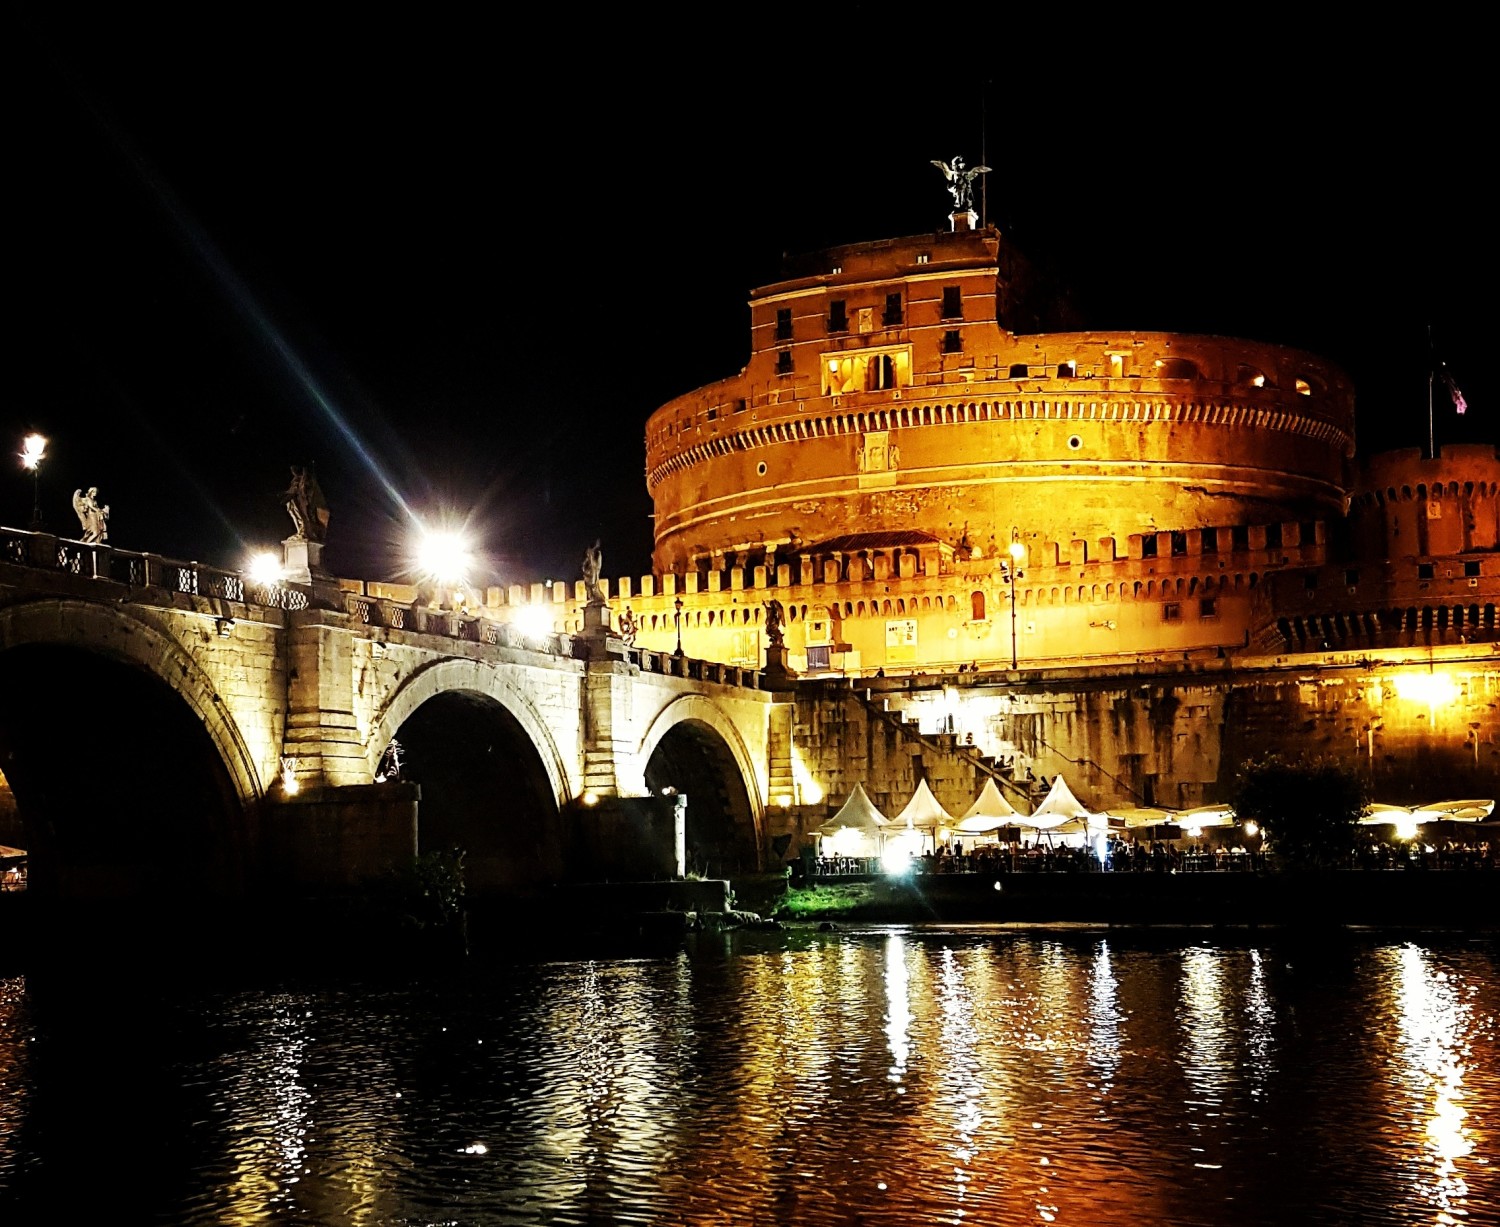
(1435, 1023)
(14, 1066)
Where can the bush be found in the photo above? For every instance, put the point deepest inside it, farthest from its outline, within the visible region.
(1308, 808)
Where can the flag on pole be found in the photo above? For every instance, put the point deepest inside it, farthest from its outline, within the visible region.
(1460, 405)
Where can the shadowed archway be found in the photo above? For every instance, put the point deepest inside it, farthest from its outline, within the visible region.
(120, 791)
(485, 789)
(693, 759)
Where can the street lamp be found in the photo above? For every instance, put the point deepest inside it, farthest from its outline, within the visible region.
(677, 618)
(1013, 572)
(33, 448)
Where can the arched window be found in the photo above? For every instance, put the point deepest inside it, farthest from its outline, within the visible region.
(976, 606)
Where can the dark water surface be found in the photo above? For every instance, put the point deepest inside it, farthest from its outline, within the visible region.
(881, 1076)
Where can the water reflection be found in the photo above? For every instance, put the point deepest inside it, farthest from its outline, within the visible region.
(889, 1077)
(1436, 1020)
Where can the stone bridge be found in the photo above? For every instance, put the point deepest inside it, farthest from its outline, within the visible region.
(169, 722)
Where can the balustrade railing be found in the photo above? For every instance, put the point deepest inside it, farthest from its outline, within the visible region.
(43, 552)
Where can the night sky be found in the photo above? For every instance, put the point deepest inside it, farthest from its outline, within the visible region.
(456, 263)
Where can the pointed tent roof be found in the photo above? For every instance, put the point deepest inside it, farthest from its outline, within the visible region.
(989, 812)
(1060, 806)
(923, 812)
(857, 813)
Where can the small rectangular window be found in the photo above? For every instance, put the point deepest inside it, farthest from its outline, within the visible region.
(1310, 581)
(1424, 570)
(1171, 612)
(1148, 545)
(1351, 579)
(1208, 607)
(1273, 536)
(740, 405)
(953, 341)
(1018, 370)
(923, 257)
(1471, 570)
(783, 323)
(953, 303)
(1239, 538)
(1067, 370)
(713, 414)
(892, 316)
(1210, 541)
(838, 317)
(1179, 544)
(1307, 531)
(783, 362)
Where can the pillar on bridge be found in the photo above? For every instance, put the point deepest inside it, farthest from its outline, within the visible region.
(321, 732)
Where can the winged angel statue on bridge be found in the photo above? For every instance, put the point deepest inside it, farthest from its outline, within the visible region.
(960, 181)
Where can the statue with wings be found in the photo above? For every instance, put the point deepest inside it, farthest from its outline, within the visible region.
(960, 181)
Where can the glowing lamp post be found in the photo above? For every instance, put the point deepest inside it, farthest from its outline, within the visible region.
(1013, 573)
(33, 449)
(445, 558)
(677, 618)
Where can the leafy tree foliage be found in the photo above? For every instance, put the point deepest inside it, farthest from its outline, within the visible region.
(1308, 808)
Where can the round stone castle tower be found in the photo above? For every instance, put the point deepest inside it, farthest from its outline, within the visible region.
(913, 386)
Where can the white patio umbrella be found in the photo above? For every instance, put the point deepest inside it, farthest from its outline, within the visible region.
(1454, 811)
(858, 828)
(1059, 806)
(922, 812)
(1380, 814)
(990, 812)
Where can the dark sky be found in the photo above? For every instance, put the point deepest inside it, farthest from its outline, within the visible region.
(456, 262)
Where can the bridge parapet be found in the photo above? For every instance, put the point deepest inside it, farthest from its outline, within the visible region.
(45, 552)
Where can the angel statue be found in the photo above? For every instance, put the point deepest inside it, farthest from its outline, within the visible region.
(960, 182)
(304, 503)
(93, 518)
(593, 563)
(775, 616)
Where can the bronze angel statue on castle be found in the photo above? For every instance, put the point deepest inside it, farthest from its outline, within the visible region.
(960, 181)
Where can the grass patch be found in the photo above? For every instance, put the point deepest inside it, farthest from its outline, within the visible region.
(826, 902)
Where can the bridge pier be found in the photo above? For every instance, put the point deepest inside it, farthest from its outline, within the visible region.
(321, 731)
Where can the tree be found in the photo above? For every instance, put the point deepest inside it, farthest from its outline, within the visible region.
(1308, 808)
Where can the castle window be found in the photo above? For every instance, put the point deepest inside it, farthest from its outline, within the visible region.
(953, 303)
(783, 323)
(1208, 607)
(923, 257)
(1351, 579)
(783, 362)
(892, 316)
(1471, 570)
(1018, 370)
(1239, 537)
(1171, 612)
(976, 606)
(1424, 570)
(1310, 581)
(1176, 368)
(953, 342)
(1250, 376)
(838, 317)
(869, 370)
(1308, 532)
(1148, 545)
(1273, 536)
(1067, 370)
(713, 413)
(1210, 540)
(1179, 544)
(739, 405)
(1303, 388)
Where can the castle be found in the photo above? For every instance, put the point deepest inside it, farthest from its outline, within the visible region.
(1085, 548)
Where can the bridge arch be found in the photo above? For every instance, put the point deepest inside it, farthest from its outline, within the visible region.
(134, 780)
(455, 675)
(118, 632)
(693, 738)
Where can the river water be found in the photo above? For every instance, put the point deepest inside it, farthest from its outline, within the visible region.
(882, 1075)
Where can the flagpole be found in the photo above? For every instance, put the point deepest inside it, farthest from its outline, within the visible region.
(1431, 444)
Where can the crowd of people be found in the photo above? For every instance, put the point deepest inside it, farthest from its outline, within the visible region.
(1148, 856)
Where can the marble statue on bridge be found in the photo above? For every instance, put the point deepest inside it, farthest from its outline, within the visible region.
(593, 563)
(306, 506)
(93, 519)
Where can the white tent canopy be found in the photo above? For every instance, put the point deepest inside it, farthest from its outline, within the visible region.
(989, 812)
(1060, 806)
(922, 812)
(1454, 811)
(858, 813)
